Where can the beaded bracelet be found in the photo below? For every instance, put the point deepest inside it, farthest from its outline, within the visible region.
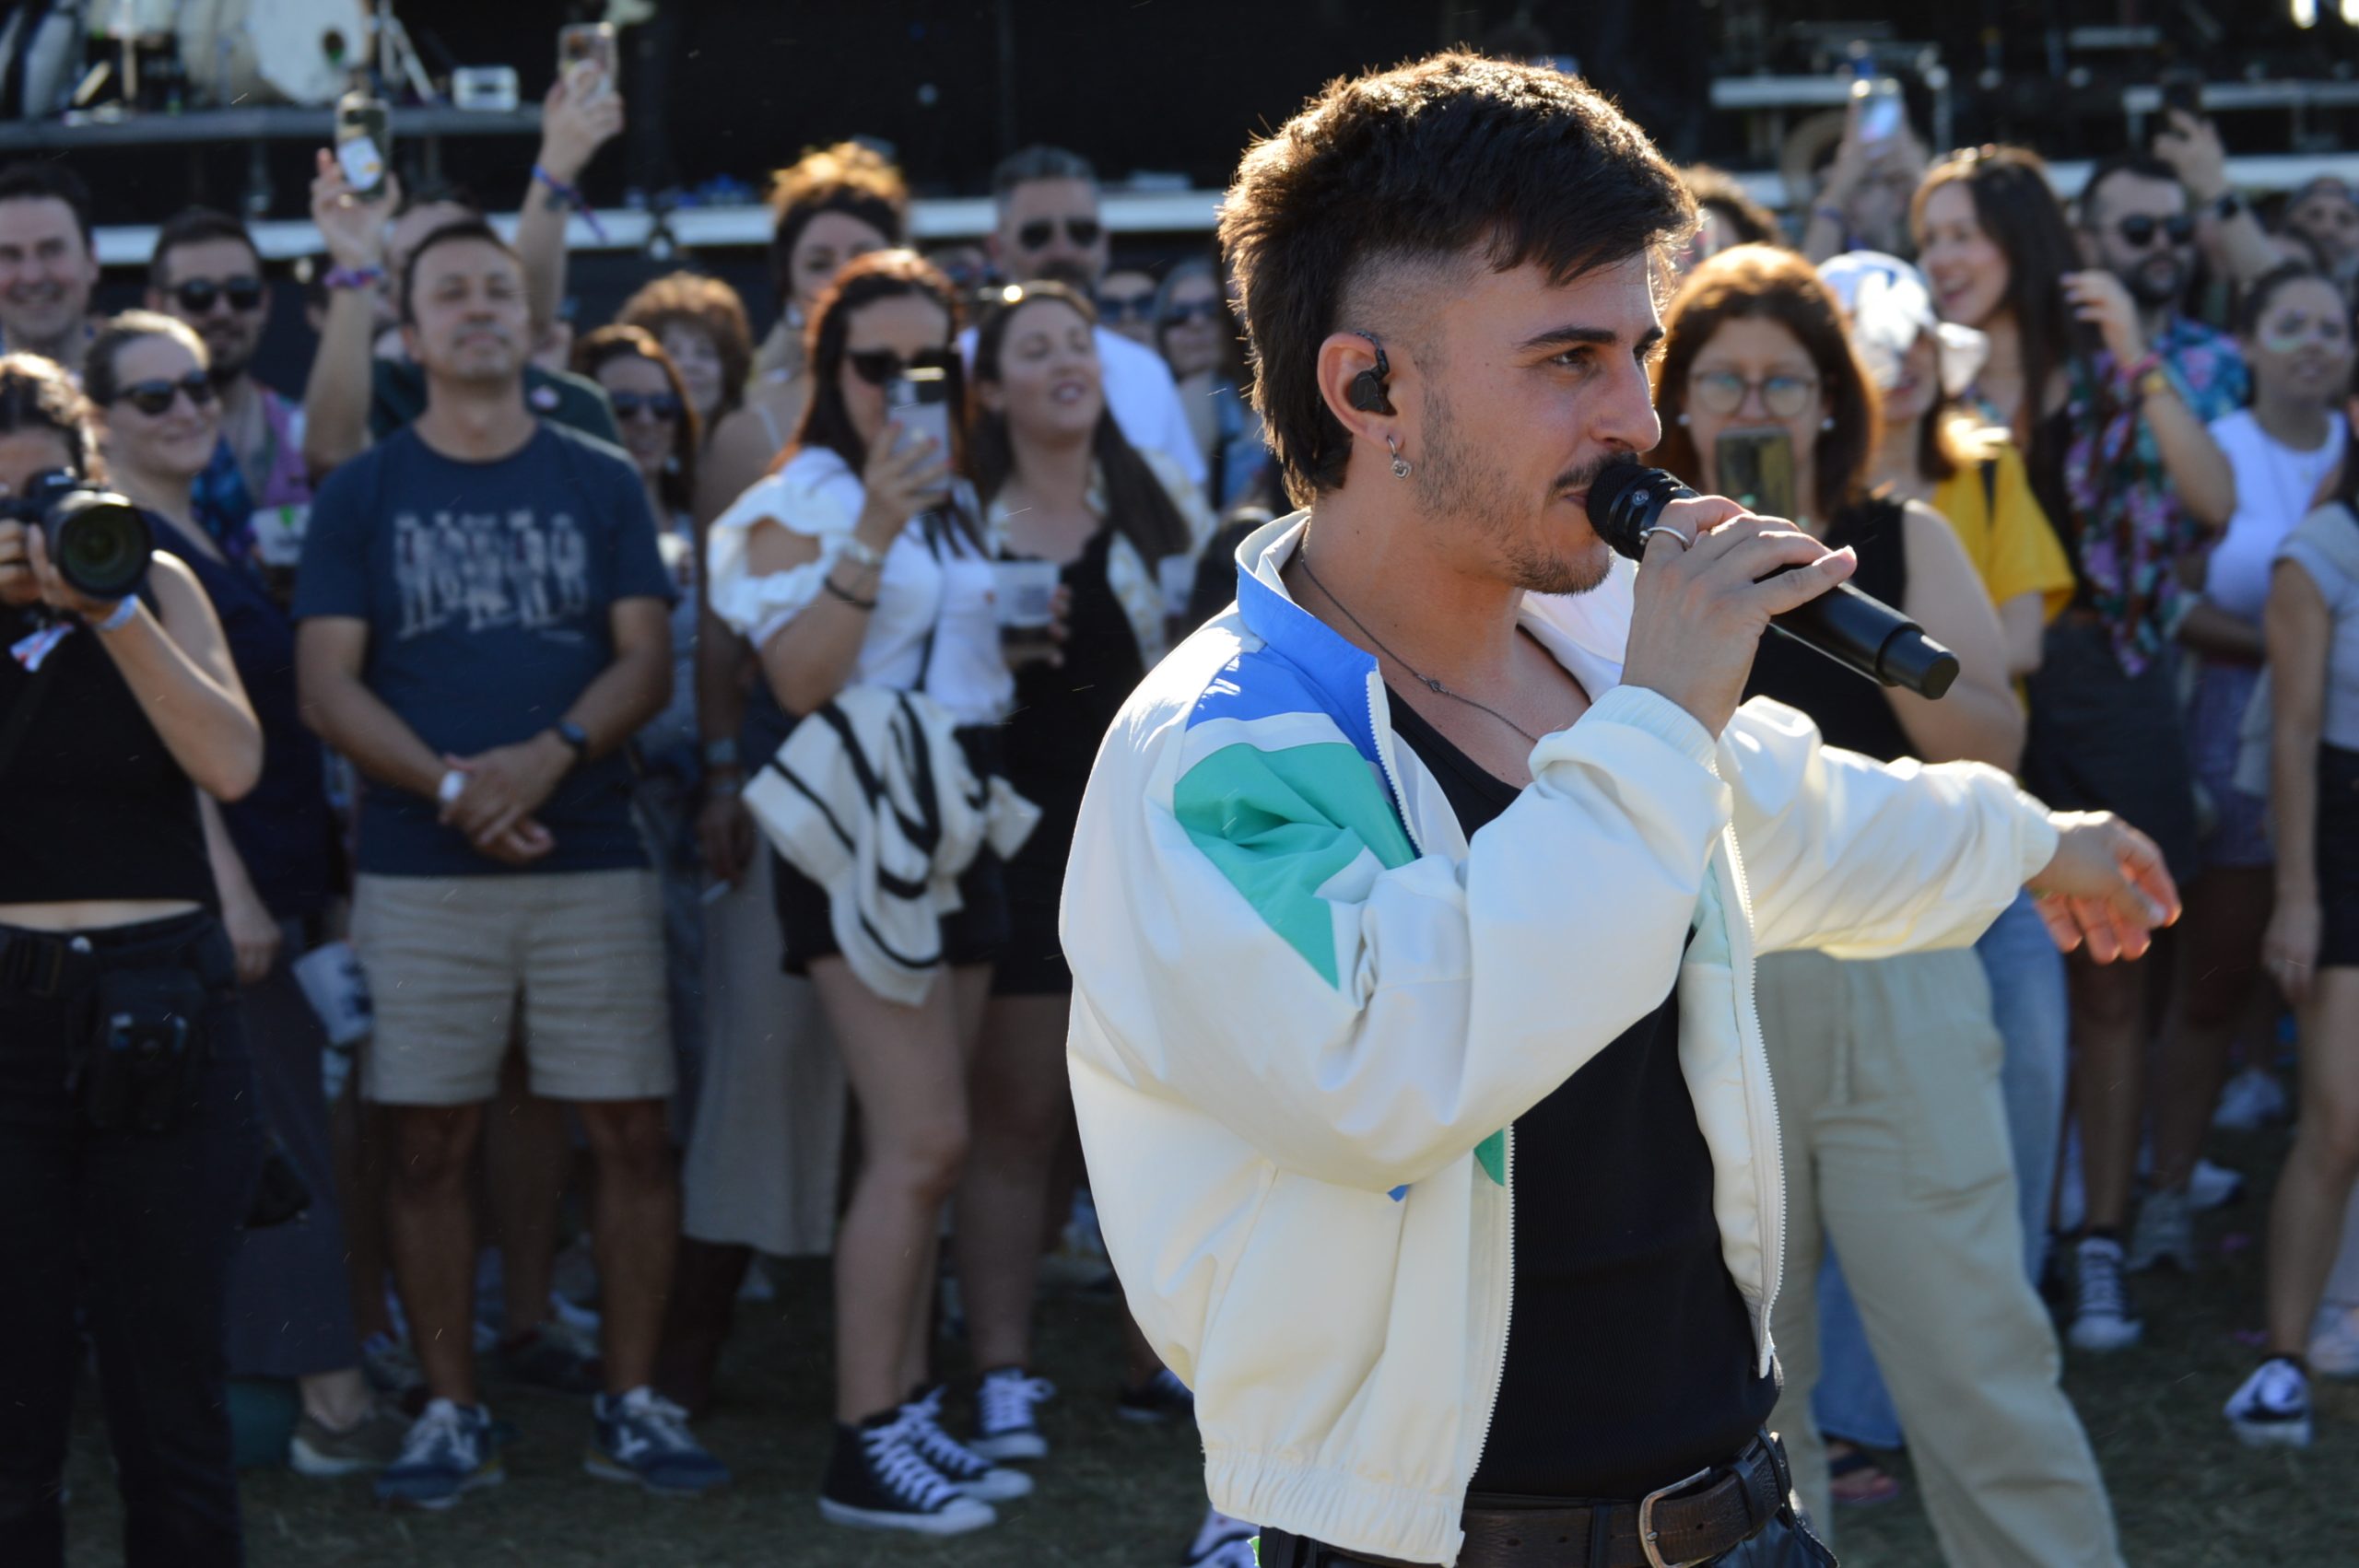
(855, 601)
(573, 198)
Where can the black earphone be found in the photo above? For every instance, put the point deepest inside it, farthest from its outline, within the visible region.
(1368, 392)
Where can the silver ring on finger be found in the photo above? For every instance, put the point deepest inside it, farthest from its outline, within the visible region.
(1686, 541)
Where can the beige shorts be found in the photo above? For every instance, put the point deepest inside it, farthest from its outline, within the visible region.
(448, 958)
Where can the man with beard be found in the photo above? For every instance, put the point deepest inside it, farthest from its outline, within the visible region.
(1045, 199)
(255, 499)
(2135, 484)
(49, 262)
(484, 624)
(1413, 904)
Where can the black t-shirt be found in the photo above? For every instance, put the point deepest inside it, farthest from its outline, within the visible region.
(1630, 1354)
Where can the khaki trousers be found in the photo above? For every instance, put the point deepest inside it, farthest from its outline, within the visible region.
(1895, 1148)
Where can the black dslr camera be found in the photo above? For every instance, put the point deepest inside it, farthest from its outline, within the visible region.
(98, 542)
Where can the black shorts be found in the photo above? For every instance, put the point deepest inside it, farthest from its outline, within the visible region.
(1035, 963)
(977, 933)
(2337, 857)
(2102, 739)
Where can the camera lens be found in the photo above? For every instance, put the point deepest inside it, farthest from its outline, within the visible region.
(100, 544)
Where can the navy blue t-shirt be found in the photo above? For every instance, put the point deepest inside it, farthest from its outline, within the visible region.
(487, 588)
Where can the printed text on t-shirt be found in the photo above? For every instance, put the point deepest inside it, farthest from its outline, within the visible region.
(496, 571)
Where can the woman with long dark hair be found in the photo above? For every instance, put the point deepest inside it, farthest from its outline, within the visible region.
(128, 1142)
(1895, 1137)
(864, 561)
(1061, 485)
(700, 324)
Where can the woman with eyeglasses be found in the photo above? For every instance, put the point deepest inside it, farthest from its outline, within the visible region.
(864, 560)
(1197, 338)
(661, 430)
(276, 864)
(1896, 1148)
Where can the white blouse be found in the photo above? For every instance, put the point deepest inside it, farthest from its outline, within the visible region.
(942, 585)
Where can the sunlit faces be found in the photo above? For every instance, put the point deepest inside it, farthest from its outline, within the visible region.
(829, 241)
(1195, 319)
(1918, 386)
(410, 230)
(1522, 389)
(1967, 269)
(1049, 229)
(215, 286)
(2138, 229)
(46, 271)
(697, 357)
(645, 409)
(1049, 383)
(1755, 374)
(2301, 347)
(470, 321)
(1126, 305)
(905, 324)
(177, 440)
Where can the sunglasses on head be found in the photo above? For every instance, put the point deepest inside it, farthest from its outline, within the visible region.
(1125, 307)
(155, 398)
(1195, 310)
(878, 366)
(2139, 230)
(199, 295)
(656, 406)
(1037, 234)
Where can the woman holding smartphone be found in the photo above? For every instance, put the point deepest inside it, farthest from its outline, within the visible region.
(863, 560)
(1895, 1133)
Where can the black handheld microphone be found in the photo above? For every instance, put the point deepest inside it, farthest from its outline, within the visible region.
(1857, 630)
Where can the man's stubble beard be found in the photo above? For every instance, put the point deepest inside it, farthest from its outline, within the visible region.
(1458, 487)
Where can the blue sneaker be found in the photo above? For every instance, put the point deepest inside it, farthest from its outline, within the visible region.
(643, 1437)
(449, 1451)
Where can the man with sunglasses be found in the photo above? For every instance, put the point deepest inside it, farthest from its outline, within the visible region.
(256, 495)
(1049, 230)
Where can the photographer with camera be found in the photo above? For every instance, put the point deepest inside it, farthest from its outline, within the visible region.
(128, 1145)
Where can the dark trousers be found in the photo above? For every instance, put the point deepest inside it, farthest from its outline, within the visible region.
(140, 1229)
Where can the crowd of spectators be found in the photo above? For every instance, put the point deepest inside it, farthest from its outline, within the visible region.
(529, 629)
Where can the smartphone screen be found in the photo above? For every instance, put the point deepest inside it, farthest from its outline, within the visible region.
(1756, 470)
(586, 41)
(364, 144)
(918, 401)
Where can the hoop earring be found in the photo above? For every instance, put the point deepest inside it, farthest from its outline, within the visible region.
(1682, 417)
(1400, 464)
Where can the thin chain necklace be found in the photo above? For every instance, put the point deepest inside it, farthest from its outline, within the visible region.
(1425, 680)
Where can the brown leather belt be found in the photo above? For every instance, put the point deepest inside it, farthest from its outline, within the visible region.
(1691, 1521)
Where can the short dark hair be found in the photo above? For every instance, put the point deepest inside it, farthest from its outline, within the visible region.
(2145, 165)
(1454, 155)
(195, 225)
(2252, 300)
(38, 393)
(1751, 223)
(1768, 283)
(99, 382)
(465, 228)
(1029, 166)
(56, 181)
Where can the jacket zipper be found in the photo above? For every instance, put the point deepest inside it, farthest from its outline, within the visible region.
(1378, 731)
(1771, 1193)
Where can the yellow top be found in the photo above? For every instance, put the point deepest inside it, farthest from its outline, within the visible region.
(2006, 535)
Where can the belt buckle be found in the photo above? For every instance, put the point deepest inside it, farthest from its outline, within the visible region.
(1654, 1556)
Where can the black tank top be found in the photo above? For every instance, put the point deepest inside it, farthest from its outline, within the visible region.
(92, 805)
(1852, 713)
(1630, 1357)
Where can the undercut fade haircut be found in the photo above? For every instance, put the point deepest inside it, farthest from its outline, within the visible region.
(1453, 160)
(195, 225)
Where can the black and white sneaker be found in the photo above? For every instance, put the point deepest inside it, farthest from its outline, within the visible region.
(2101, 1319)
(2273, 1406)
(959, 1465)
(878, 1480)
(1005, 1427)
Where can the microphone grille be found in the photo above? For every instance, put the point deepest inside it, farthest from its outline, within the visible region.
(1618, 501)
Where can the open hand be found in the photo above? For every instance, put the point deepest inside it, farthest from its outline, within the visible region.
(582, 113)
(905, 475)
(2191, 146)
(2105, 889)
(352, 230)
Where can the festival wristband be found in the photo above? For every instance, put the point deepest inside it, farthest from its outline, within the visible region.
(354, 277)
(120, 616)
(573, 198)
(2132, 374)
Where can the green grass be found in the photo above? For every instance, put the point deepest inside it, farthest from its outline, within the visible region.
(1120, 1496)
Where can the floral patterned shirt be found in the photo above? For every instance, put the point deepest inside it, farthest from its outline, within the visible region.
(2126, 528)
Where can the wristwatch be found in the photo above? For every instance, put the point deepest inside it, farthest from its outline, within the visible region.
(2227, 206)
(573, 735)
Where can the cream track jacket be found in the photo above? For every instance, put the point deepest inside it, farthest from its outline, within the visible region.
(1306, 1010)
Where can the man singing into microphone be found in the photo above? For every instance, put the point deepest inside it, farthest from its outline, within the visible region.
(1414, 902)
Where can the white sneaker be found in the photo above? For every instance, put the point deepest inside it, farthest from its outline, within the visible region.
(2334, 1339)
(2101, 1319)
(2164, 1234)
(1005, 1425)
(2214, 1186)
(2252, 1097)
(2273, 1406)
